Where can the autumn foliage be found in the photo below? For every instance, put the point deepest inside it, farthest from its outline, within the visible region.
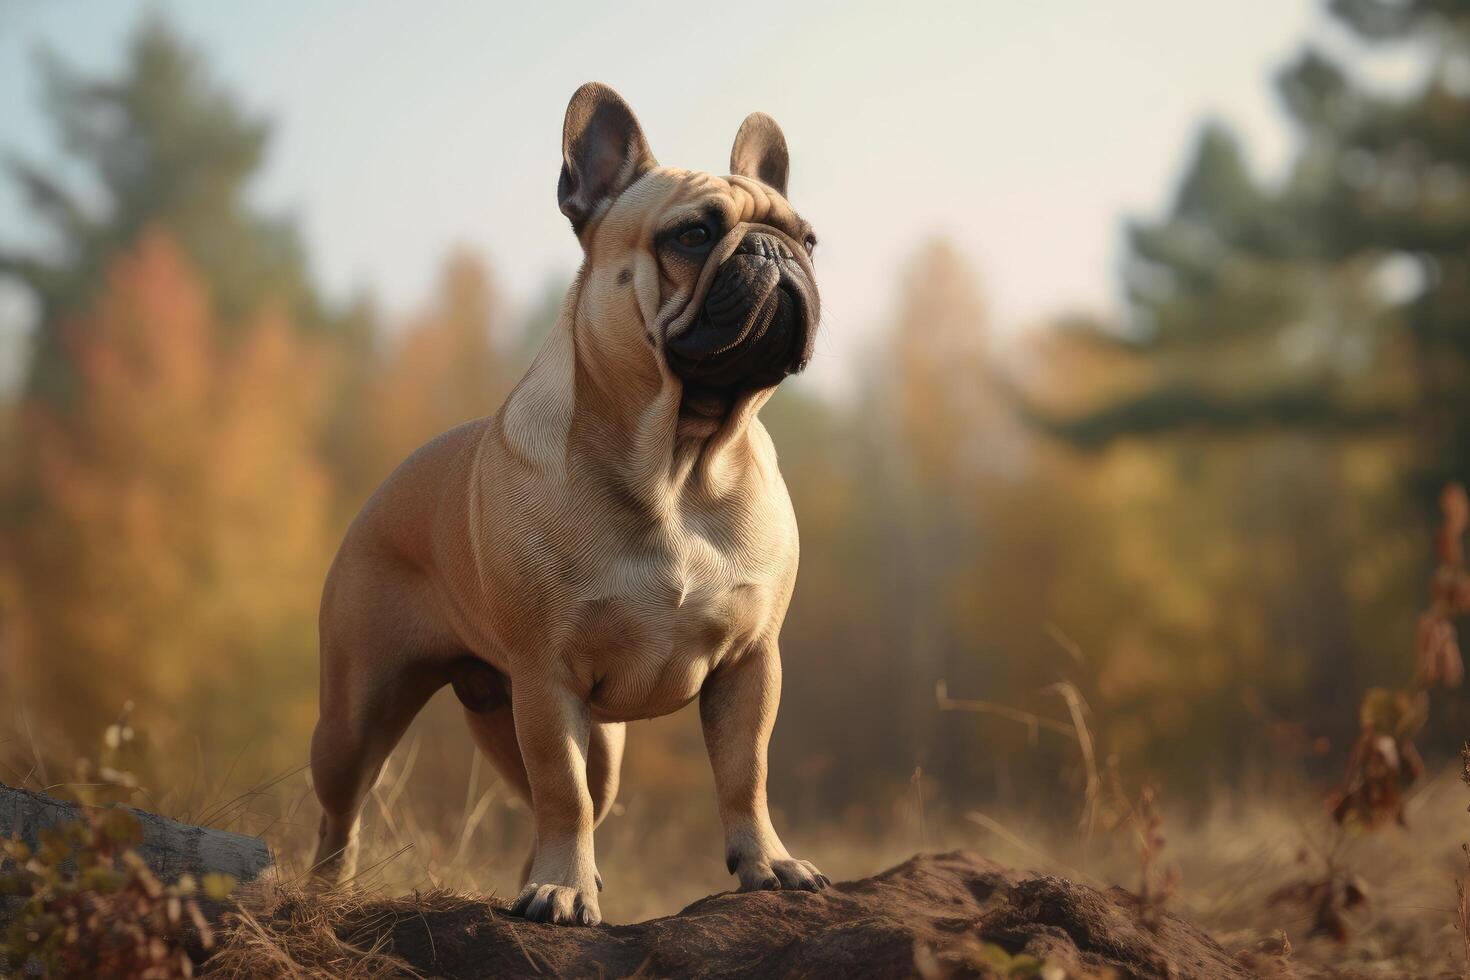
(1385, 760)
(1437, 652)
(1222, 502)
(173, 531)
(88, 905)
(443, 367)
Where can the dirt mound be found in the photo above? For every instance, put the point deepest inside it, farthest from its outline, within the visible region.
(943, 915)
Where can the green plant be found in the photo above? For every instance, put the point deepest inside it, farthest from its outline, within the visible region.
(112, 775)
(90, 906)
(970, 955)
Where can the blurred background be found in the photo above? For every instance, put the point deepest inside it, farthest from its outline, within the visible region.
(1146, 330)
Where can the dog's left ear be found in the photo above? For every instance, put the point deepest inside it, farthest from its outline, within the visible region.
(603, 152)
(760, 152)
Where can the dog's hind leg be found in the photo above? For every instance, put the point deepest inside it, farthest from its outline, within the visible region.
(367, 702)
(485, 694)
(604, 766)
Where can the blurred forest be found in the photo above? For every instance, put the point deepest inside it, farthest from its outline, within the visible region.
(1213, 517)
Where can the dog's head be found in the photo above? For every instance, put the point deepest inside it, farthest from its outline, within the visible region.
(713, 273)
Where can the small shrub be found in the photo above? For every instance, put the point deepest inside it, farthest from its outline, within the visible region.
(1384, 761)
(1437, 649)
(90, 906)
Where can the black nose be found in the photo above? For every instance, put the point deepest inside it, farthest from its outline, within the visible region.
(736, 298)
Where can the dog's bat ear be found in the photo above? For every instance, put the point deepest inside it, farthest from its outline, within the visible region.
(760, 152)
(603, 152)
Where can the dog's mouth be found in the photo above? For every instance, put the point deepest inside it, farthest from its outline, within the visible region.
(704, 408)
(753, 329)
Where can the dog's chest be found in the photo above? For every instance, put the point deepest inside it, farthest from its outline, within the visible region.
(662, 618)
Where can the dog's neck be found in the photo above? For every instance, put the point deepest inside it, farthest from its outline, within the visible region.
(582, 412)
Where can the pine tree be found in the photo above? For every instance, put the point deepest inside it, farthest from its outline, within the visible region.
(1340, 301)
(1306, 341)
(160, 146)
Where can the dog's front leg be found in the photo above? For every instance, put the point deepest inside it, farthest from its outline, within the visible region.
(552, 726)
(737, 707)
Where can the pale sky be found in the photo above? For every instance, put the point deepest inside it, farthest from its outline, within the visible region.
(1025, 132)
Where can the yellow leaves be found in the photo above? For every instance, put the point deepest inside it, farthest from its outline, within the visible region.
(444, 367)
(102, 880)
(219, 887)
(181, 528)
(1437, 647)
(935, 367)
(1399, 714)
(146, 340)
(1455, 506)
(1437, 652)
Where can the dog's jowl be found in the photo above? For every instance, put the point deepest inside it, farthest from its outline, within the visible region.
(612, 543)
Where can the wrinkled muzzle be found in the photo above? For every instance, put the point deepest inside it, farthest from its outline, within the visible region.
(755, 325)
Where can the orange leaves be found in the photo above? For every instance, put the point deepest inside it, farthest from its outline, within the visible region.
(1385, 760)
(269, 490)
(937, 366)
(1455, 506)
(142, 367)
(444, 368)
(148, 333)
(1437, 652)
(1437, 655)
(180, 504)
(178, 531)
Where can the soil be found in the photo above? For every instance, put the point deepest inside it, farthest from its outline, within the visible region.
(945, 915)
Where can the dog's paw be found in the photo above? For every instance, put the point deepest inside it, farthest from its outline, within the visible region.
(561, 904)
(780, 874)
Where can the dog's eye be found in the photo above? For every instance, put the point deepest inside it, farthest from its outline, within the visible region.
(694, 236)
(810, 242)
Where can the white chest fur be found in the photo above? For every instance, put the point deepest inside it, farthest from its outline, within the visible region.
(660, 619)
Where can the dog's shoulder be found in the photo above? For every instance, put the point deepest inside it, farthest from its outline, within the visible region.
(406, 504)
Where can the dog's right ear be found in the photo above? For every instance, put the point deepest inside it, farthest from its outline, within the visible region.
(760, 152)
(603, 152)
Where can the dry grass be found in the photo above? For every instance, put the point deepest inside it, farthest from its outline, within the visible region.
(439, 829)
(1273, 874)
(658, 855)
(1231, 857)
(440, 841)
(281, 932)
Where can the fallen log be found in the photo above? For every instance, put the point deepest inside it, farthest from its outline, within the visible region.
(170, 848)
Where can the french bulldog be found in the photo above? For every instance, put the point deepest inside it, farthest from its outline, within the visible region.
(615, 541)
